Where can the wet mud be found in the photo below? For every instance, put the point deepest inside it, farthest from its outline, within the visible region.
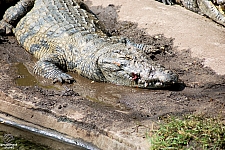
(200, 90)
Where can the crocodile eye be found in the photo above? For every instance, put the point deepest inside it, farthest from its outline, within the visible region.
(117, 63)
(128, 57)
(117, 51)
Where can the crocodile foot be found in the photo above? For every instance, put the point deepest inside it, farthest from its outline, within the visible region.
(54, 74)
(47, 67)
(5, 28)
(63, 78)
(167, 2)
(210, 10)
(203, 7)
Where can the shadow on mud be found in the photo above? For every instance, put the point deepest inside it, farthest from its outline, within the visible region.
(177, 87)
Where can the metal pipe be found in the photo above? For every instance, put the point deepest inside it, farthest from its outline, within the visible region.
(50, 134)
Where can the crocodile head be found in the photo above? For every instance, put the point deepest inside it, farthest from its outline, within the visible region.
(135, 70)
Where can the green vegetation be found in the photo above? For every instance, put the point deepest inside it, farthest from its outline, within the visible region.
(190, 132)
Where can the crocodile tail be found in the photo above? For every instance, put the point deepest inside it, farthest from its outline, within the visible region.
(13, 15)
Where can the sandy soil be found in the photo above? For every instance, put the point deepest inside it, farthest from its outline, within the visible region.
(191, 31)
(109, 109)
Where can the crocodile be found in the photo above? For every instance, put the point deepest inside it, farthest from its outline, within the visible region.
(212, 9)
(64, 35)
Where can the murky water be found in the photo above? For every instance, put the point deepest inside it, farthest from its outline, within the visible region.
(24, 77)
(105, 93)
(101, 92)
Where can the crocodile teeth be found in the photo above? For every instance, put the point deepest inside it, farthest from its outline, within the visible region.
(153, 68)
(146, 84)
(158, 83)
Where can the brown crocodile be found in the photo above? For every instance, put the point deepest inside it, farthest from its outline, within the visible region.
(66, 36)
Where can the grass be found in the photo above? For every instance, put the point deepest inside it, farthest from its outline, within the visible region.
(190, 132)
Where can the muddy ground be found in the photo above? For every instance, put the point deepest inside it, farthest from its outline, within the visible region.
(200, 91)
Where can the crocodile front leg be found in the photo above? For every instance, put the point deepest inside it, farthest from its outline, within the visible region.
(210, 10)
(147, 49)
(48, 67)
(14, 14)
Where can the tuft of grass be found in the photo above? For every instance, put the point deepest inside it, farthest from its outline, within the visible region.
(190, 132)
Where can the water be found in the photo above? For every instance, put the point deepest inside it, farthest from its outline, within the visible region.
(24, 77)
(104, 93)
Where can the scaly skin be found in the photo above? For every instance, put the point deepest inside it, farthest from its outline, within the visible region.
(65, 36)
(205, 7)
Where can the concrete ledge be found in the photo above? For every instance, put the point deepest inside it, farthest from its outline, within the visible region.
(30, 115)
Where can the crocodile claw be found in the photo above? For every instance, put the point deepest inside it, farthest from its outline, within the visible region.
(5, 28)
(166, 2)
(64, 78)
(169, 2)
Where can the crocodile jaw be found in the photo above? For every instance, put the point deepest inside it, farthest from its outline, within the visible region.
(156, 77)
(120, 70)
